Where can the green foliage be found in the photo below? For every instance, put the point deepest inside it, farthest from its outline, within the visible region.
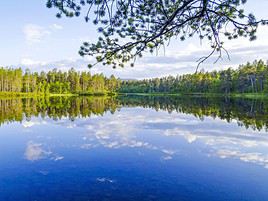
(56, 82)
(10, 80)
(130, 28)
(249, 78)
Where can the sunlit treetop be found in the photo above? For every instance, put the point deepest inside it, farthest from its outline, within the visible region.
(129, 28)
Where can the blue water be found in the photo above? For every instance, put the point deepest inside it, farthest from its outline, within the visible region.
(133, 154)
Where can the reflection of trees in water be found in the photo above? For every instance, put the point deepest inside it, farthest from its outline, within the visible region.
(248, 112)
(11, 110)
(54, 107)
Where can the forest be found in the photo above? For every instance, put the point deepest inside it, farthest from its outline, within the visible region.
(55, 82)
(248, 78)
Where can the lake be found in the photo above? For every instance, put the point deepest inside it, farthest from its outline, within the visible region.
(133, 148)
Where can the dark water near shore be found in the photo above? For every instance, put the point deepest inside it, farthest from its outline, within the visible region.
(134, 148)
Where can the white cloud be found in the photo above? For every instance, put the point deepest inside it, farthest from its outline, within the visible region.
(35, 33)
(31, 62)
(37, 151)
(57, 158)
(28, 124)
(34, 152)
(179, 58)
(56, 27)
(254, 157)
(238, 143)
(63, 65)
(105, 180)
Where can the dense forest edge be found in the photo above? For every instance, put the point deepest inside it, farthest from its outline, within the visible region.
(15, 82)
(249, 80)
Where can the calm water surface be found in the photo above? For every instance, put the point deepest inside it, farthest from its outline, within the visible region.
(133, 148)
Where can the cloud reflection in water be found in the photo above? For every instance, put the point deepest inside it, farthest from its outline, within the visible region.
(35, 151)
(130, 127)
(221, 139)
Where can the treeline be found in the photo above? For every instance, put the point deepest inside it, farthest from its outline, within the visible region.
(55, 82)
(248, 78)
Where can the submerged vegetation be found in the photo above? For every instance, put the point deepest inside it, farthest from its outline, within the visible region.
(251, 113)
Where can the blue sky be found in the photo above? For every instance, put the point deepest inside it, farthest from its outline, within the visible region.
(31, 36)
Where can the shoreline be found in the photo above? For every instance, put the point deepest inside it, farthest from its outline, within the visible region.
(31, 95)
(208, 95)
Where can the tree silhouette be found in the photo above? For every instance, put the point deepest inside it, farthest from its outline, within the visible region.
(131, 27)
